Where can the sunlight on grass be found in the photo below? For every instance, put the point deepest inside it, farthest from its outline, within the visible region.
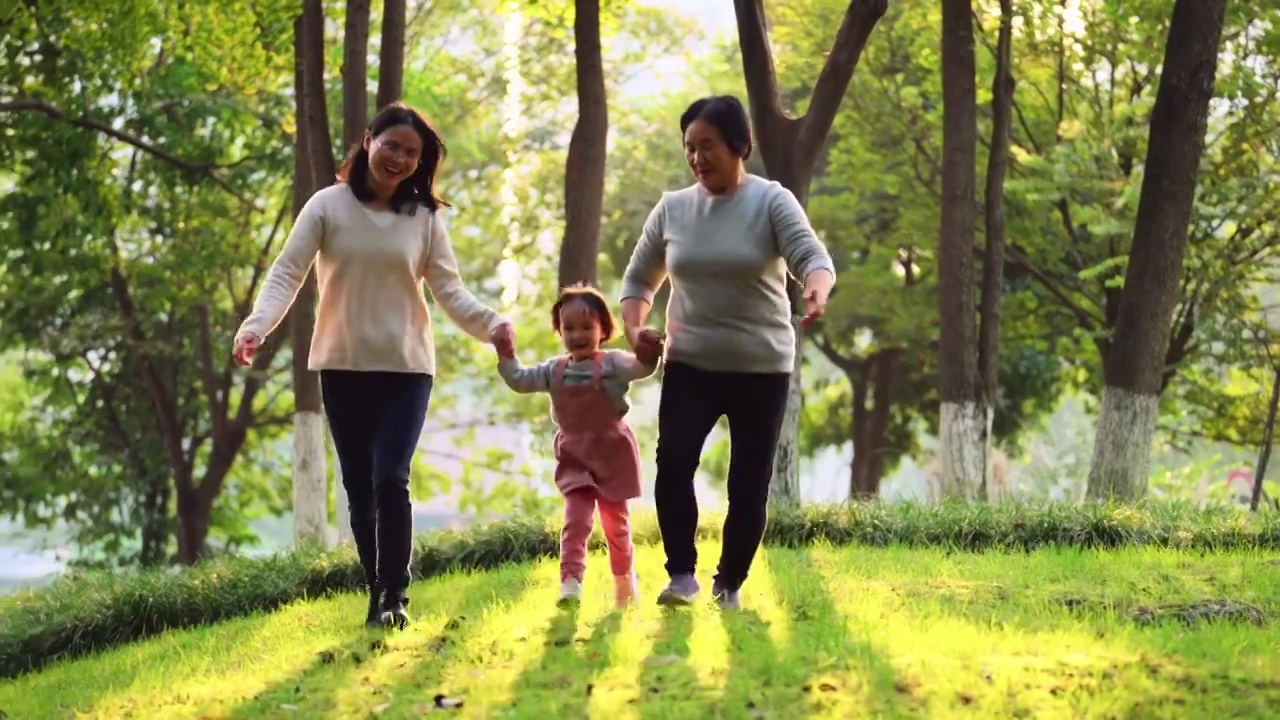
(824, 632)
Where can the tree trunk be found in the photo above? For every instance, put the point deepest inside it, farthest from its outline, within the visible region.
(1135, 365)
(193, 523)
(156, 525)
(391, 53)
(963, 427)
(1002, 88)
(355, 73)
(790, 148)
(314, 166)
(869, 423)
(859, 423)
(1268, 437)
(585, 165)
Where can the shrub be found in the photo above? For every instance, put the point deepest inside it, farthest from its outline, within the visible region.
(89, 612)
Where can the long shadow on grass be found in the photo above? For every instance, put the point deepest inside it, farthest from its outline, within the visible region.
(560, 683)
(443, 609)
(421, 684)
(822, 662)
(668, 685)
(56, 691)
(1155, 670)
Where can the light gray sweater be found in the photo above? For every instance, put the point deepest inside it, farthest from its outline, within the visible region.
(728, 257)
(618, 369)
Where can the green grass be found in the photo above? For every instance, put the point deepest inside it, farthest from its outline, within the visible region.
(85, 613)
(825, 632)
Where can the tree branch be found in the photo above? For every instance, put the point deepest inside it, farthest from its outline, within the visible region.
(166, 414)
(847, 365)
(1089, 321)
(88, 123)
(833, 80)
(758, 70)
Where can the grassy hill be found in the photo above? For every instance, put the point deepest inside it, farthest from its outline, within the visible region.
(825, 632)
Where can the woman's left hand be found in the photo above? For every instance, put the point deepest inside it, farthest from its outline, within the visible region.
(817, 288)
(503, 338)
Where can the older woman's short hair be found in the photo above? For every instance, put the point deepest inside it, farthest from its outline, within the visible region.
(726, 114)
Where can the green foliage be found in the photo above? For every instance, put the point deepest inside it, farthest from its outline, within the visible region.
(96, 610)
(149, 154)
(189, 226)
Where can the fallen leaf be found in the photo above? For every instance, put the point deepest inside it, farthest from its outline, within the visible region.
(663, 659)
(379, 709)
(290, 708)
(447, 703)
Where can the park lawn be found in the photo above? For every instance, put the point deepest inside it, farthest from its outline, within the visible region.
(825, 632)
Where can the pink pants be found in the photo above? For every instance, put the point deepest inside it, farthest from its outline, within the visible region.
(579, 519)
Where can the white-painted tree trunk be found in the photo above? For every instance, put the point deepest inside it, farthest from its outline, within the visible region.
(1122, 448)
(784, 488)
(990, 491)
(310, 490)
(962, 448)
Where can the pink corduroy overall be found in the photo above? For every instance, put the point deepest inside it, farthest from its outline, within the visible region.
(597, 465)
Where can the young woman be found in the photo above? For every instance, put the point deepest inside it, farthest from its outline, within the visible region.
(727, 243)
(374, 238)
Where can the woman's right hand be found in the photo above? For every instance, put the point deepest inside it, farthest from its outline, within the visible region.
(246, 345)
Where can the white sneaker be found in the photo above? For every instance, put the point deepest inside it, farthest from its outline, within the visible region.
(570, 592)
(625, 589)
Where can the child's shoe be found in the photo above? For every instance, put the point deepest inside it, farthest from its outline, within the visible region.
(625, 590)
(570, 592)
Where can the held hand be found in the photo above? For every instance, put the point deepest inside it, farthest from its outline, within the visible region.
(647, 344)
(817, 288)
(246, 345)
(503, 338)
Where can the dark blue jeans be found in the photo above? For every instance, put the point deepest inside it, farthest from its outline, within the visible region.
(376, 420)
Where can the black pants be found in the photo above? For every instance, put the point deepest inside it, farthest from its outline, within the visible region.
(376, 420)
(692, 401)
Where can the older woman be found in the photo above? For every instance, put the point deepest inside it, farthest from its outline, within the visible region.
(727, 243)
(374, 238)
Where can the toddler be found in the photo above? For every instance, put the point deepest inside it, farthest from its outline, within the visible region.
(597, 460)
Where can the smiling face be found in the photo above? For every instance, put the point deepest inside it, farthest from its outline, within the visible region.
(714, 165)
(580, 330)
(394, 156)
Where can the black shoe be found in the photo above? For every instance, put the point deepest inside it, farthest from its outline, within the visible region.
(378, 618)
(393, 609)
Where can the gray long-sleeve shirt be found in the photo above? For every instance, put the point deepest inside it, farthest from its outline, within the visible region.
(618, 370)
(728, 257)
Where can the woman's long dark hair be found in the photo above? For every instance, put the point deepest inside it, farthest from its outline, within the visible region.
(416, 190)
